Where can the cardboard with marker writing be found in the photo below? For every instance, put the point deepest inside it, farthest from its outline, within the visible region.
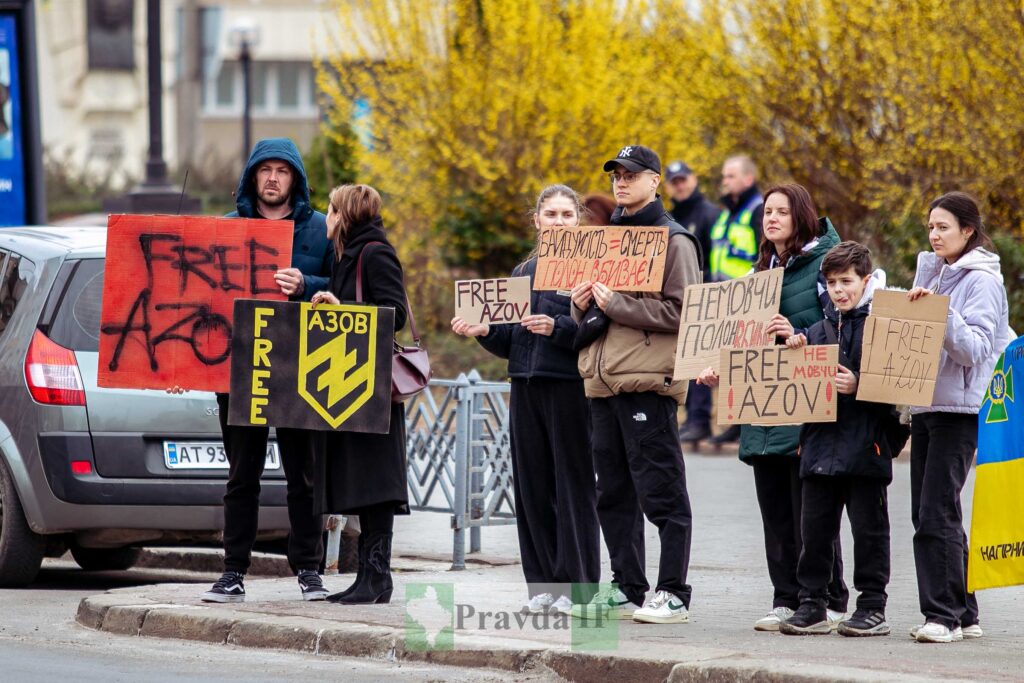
(902, 348)
(731, 314)
(500, 300)
(168, 293)
(774, 385)
(326, 368)
(626, 259)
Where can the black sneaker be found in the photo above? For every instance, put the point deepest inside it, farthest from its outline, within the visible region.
(311, 585)
(809, 620)
(229, 588)
(693, 433)
(865, 622)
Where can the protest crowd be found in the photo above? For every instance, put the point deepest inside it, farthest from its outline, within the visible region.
(599, 373)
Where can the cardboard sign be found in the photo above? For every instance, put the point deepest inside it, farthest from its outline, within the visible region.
(720, 315)
(169, 286)
(774, 385)
(627, 259)
(902, 345)
(502, 300)
(326, 368)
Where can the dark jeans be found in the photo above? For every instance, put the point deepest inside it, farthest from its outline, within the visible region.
(553, 476)
(698, 405)
(779, 495)
(246, 449)
(640, 472)
(866, 503)
(942, 448)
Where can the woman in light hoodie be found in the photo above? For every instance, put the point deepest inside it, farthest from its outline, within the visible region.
(944, 435)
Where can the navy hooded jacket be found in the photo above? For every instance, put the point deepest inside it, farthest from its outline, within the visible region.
(312, 252)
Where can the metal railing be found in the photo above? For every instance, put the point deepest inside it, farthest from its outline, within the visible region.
(457, 444)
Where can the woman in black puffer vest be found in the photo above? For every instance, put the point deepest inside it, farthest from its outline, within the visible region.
(552, 467)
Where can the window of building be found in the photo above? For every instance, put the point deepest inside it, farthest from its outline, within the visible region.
(279, 89)
(109, 26)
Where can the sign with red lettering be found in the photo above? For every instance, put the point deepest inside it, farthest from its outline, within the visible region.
(626, 259)
(731, 314)
(902, 348)
(169, 288)
(774, 385)
(502, 300)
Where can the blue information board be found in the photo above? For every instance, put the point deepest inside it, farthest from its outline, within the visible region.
(12, 154)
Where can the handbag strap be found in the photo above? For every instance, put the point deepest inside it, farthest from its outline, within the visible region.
(359, 291)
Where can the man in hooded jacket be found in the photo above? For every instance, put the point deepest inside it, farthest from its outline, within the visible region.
(274, 186)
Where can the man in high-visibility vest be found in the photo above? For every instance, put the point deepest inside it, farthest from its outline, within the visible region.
(736, 235)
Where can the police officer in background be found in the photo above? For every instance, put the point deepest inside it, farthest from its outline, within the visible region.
(736, 235)
(692, 210)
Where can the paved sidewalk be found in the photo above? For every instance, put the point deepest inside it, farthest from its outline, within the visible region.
(731, 590)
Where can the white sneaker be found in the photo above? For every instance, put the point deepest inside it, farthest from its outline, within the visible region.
(610, 603)
(771, 621)
(562, 605)
(663, 608)
(932, 632)
(539, 604)
(834, 618)
(973, 631)
(914, 630)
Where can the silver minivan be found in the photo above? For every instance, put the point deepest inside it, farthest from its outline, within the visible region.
(96, 471)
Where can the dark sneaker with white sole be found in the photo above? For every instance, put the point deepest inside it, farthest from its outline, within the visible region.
(808, 620)
(311, 585)
(865, 622)
(230, 587)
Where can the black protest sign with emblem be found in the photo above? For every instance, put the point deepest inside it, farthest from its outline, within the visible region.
(325, 368)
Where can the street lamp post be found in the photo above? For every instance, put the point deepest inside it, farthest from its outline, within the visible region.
(245, 36)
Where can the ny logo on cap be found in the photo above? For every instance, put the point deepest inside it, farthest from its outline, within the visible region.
(626, 151)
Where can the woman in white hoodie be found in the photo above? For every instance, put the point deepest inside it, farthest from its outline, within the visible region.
(944, 436)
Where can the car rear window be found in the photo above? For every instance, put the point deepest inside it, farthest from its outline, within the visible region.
(14, 274)
(76, 321)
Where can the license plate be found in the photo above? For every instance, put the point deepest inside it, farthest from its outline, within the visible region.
(208, 455)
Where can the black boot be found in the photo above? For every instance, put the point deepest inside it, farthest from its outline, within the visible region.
(359, 572)
(374, 585)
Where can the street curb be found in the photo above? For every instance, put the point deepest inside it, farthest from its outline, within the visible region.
(143, 617)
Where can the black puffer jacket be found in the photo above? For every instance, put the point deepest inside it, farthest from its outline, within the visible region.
(535, 355)
(853, 445)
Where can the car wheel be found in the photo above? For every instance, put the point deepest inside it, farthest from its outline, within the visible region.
(104, 559)
(21, 549)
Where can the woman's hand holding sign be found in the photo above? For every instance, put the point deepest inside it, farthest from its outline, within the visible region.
(465, 329)
(581, 295)
(797, 341)
(708, 377)
(918, 292)
(539, 324)
(846, 381)
(780, 326)
(602, 295)
(324, 298)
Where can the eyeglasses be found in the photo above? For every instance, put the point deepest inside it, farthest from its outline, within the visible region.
(626, 178)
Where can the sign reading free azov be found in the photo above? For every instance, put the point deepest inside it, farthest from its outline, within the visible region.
(326, 368)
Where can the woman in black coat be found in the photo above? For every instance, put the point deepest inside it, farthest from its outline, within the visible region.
(552, 466)
(365, 474)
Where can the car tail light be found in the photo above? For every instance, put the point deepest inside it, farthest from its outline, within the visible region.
(51, 372)
(81, 467)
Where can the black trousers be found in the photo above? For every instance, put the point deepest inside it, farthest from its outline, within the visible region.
(866, 503)
(779, 495)
(553, 478)
(698, 404)
(246, 449)
(640, 472)
(942, 448)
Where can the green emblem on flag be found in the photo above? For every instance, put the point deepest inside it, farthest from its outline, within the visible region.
(1000, 390)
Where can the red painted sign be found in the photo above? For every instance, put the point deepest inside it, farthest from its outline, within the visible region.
(169, 288)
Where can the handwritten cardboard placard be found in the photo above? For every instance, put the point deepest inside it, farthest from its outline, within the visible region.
(627, 259)
(501, 300)
(168, 293)
(325, 368)
(902, 345)
(773, 385)
(720, 315)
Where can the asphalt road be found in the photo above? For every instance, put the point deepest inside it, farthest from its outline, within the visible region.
(40, 642)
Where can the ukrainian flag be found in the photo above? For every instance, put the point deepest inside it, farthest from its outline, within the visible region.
(997, 536)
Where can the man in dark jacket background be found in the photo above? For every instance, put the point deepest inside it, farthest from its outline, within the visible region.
(692, 210)
(274, 186)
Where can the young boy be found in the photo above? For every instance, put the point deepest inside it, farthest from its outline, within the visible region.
(845, 463)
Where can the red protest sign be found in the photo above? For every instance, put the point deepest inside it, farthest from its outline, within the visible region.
(169, 288)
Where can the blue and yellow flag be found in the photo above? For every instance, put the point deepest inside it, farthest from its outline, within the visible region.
(997, 532)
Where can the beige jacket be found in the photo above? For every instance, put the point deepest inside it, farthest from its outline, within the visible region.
(637, 352)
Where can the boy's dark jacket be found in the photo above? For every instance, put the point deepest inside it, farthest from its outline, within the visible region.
(855, 444)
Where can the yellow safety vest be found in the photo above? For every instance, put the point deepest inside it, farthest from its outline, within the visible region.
(733, 245)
